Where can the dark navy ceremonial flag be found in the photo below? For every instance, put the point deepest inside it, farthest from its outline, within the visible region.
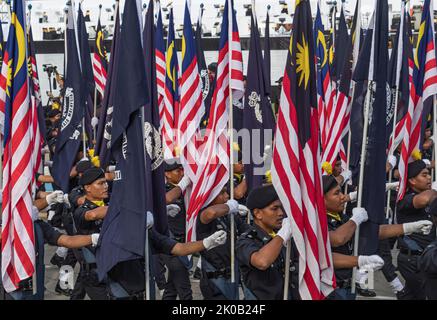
(258, 114)
(122, 237)
(374, 171)
(267, 57)
(87, 70)
(70, 134)
(155, 182)
(341, 38)
(104, 128)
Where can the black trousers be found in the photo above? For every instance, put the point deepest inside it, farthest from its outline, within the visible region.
(385, 253)
(87, 283)
(178, 280)
(414, 281)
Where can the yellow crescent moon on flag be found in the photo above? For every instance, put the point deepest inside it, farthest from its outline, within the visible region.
(183, 47)
(169, 55)
(321, 40)
(19, 33)
(98, 41)
(419, 38)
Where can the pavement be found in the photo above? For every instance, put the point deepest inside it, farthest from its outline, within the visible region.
(381, 286)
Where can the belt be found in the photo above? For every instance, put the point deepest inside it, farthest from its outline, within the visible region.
(343, 284)
(410, 252)
(26, 285)
(219, 273)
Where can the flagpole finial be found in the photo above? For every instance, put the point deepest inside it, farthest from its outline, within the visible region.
(201, 6)
(269, 7)
(100, 6)
(29, 7)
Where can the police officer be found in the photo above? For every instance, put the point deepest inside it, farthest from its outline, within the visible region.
(261, 249)
(126, 279)
(341, 231)
(45, 233)
(216, 264)
(88, 219)
(428, 260)
(411, 208)
(178, 280)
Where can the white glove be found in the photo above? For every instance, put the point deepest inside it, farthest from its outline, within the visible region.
(184, 183)
(111, 168)
(391, 186)
(45, 150)
(392, 160)
(233, 206)
(427, 162)
(434, 186)
(353, 196)
(150, 220)
(95, 239)
(243, 210)
(359, 215)
(285, 231)
(218, 238)
(374, 262)
(66, 200)
(94, 122)
(55, 197)
(48, 163)
(346, 174)
(173, 210)
(421, 226)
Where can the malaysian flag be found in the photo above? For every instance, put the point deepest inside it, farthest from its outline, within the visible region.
(325, 98)
(17, 241)
(171, 98)
(105, 120)
(424, 86)
(100, 60)
(191, 105)
(339, 123)
(296, 172)
(160, 75)
(38, 119)
(213, 171)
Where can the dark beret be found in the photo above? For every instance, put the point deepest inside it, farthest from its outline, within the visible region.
(212, 67)
(329, 183)
(91, 175)
(172, 164)
(415, 167)
(83, 165)
(261, 197)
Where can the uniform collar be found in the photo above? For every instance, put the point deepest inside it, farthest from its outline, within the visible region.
(262, 234)
(334, 215)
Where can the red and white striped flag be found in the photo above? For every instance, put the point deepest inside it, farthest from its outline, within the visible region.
(18, 241)
(296, 172)
(191, 108)
(213, 168)
(100, 61)
(423, 86)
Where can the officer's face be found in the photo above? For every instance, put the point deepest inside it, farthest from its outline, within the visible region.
(175, 175)
(337, 169)
(421, 182)
(238, 168)
(98, 189)
(271, 216)
(222, 198)
(335, 200)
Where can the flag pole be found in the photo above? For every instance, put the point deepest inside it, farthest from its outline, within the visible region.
(362, 165)
(146, 243)
(287, 269)
(349, 142)
(231, 139)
